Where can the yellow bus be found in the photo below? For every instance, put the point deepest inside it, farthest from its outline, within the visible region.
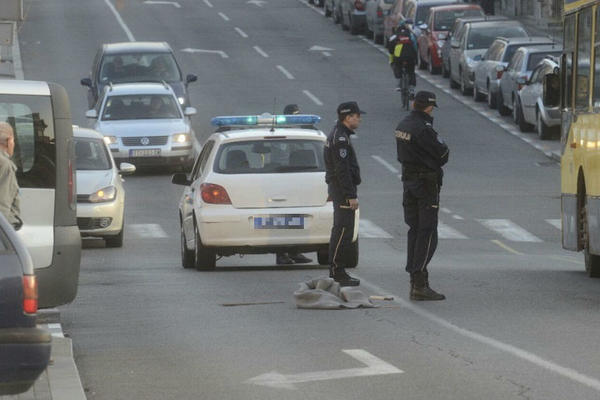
(579, 99)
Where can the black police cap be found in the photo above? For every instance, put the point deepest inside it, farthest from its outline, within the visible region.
(349, 107)
(291, 109)
(426, 98)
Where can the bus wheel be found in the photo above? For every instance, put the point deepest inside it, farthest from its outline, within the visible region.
(592, 262)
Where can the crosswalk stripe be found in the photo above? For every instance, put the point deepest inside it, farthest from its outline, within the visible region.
(368, 229)
(147, 230)
(509, 230)
(446, 232)
(555, 223)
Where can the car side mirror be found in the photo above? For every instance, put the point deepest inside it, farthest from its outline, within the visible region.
(92, 114)
(551, 91)
(126, 168)
(189, 111)
(180, 179)
(86, 82)
(190, 78)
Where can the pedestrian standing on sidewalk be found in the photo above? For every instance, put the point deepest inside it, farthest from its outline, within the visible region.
(422, 154)
(342, 176)
(9, 188)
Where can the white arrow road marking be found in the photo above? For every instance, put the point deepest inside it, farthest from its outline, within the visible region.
(171, 3)
(375, 366)
(446, 232)
(314, 98)
(369, 230)
(258, 3)
(319, 48)
(147, 230)
(509, 230)
(219, 52)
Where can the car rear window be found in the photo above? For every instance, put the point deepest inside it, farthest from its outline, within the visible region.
(138, 67)
(35, 145)
(535, 58)
(91, 155)
(445, 19)
(482, 38)
(147, 106)
(268, 156)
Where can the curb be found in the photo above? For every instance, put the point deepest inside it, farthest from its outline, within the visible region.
(63, 375)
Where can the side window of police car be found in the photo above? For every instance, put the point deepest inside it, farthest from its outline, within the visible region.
(202, 160)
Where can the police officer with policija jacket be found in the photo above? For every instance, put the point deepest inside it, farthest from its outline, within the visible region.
(422, 154)
(342, 176)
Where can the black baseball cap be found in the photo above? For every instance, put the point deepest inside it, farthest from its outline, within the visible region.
(349, 107)
(426, 98)
(291, 109)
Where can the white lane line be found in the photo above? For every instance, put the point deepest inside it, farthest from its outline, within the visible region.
(446, 210)
(208, 3)
(446, 232)
(261, 52)
(314, 8)
(525, 355)
(314, 98)
(386, 164)
(285, 72)
(555, 223)
(458, 217)
(225, 17)
(170, 3)
(147, 230)
(367, 229)
(120, 21)
(241, 32)
(509, 230)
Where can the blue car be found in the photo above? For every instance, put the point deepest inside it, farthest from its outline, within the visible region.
(24, 348)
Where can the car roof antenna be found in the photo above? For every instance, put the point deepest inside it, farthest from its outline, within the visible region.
(273, 123)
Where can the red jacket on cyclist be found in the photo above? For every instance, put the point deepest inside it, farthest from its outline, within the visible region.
(402, 47)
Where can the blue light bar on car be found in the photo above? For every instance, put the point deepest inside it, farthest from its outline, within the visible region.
(265, 119)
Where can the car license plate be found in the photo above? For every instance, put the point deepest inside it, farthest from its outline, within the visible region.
(144, 152)
(279, 222)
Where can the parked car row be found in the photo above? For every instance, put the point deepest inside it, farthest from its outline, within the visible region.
(492, 58)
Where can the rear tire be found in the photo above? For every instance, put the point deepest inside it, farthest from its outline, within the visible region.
(187, 256)
(477, 96)
(502, 109)
(463, 85)
(354, 28)
(205, 260)
(592, 262)
(327, 12)
(491, 99)
(519, 117)
(378, 38)
(543, 131)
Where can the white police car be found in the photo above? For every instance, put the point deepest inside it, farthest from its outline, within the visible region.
(258, 186)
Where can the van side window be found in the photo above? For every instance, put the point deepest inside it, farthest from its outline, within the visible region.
(35, 148)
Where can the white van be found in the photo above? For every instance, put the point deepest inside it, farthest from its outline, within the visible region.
(40, 115)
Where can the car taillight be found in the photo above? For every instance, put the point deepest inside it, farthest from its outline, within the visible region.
(30, 294)
(358, 4)
(379, 12)
(214, 194)
(499, 74)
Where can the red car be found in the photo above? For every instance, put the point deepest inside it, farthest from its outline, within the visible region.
(435, 31)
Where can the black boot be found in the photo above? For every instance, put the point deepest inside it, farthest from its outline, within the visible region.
(299, 258)
(420, 290)
(340, 275)
(283, 259)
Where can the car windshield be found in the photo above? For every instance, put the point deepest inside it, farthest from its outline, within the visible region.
(139, 67)
(445, 19)
(535, 58)
(482, 38)
(270, 156)
(147, 106)
(91, 154)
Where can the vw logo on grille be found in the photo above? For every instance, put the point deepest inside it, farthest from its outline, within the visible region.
(145, 141)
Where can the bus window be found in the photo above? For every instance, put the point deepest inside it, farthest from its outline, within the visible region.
(584, 51)
(567, 61)
(596, 94)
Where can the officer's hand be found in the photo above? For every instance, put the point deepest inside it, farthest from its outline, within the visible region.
(353, 203)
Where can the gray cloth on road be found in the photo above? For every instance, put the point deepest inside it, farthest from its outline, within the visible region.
(326, 294)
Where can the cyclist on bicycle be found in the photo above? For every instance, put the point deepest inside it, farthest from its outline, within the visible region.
(402, 47)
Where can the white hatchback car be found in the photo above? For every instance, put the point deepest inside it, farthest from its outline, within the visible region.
(258, 186)
(100, 193)
(144, 124)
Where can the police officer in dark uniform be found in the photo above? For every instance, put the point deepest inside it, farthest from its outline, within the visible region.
(342, 177)
(422, 154)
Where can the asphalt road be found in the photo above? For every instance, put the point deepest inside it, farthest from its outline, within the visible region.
(521, 318)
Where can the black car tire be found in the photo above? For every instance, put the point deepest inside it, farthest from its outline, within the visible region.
(188, 259)
(519, 117)
(502, 109)
(327, 12)
(354, 28)
(205, 259)
(543, 131)
(491, 98)
(463, 86)
(592, 262)
(378, 38)
(445, 71)
(323, 256)
(115, 240)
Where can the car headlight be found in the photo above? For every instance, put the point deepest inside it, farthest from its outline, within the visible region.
(181, 138)
(105, 194)
(110, 140)
(181, 100)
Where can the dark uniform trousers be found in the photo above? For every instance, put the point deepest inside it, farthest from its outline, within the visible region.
(421, 205)
(341, 232)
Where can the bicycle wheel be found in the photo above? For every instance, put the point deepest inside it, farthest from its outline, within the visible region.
(405, 91)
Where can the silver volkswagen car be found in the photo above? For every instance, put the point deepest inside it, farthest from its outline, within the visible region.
(143, 123)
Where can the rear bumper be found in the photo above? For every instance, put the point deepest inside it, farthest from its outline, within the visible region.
(24, 355)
